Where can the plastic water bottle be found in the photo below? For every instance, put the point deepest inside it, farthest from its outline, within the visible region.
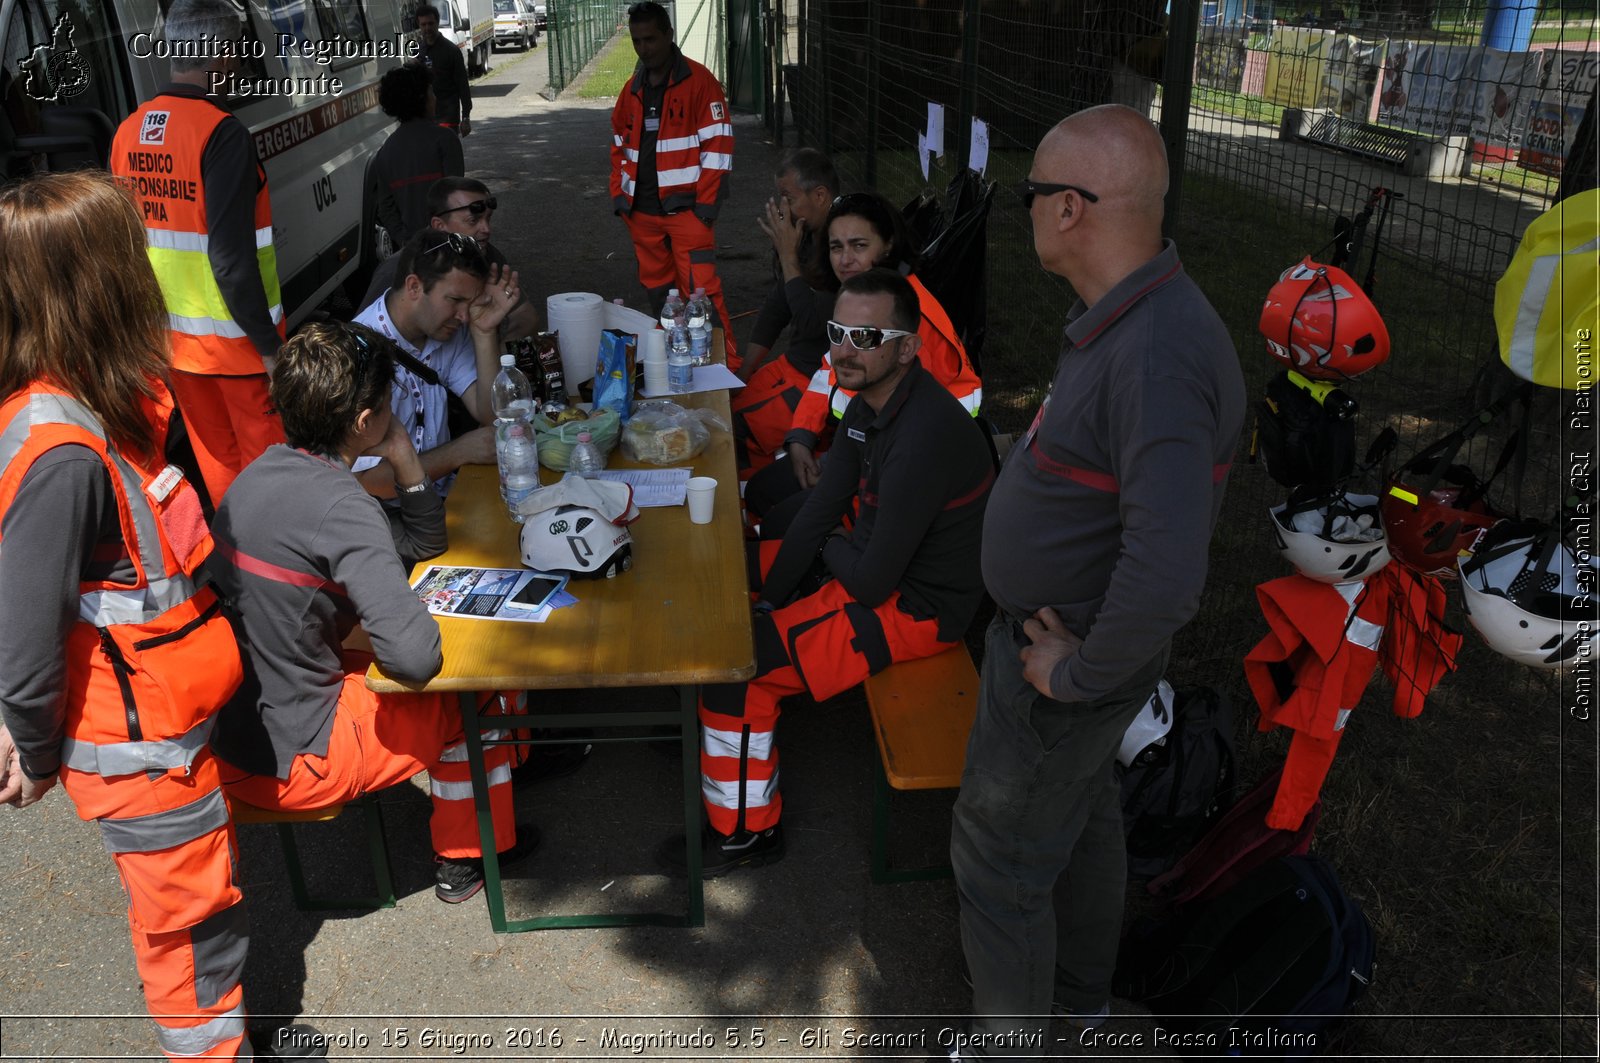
(698, 315)
(511, 392)
(586, 458)
(680, 360)
(672, 311)
(518, 455)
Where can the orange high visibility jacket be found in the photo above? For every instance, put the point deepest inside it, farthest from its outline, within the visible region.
(148, 663)
(157, 153)
(694, 146)
(941, 354)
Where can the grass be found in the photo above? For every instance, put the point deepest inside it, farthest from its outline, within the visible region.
(610, 70)
(1237, 104)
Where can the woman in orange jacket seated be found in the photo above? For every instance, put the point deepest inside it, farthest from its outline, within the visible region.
(863, 231)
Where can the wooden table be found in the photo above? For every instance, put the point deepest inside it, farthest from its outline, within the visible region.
(681, 617)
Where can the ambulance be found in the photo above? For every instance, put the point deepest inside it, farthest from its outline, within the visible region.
(71, 70)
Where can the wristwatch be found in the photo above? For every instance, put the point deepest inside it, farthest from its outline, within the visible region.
(412, 489)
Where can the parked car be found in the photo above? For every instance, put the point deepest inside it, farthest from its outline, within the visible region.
(540, 17)
(514, 25)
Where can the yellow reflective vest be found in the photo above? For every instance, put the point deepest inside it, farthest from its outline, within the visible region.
(1547, 303)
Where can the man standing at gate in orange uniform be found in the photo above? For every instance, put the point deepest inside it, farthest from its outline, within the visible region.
(671, 150)
(203, 195)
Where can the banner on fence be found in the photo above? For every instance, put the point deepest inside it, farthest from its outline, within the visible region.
(1428, 87)
(1295, 61)
(1569, 81)
(1219, 58)
(1351, 76)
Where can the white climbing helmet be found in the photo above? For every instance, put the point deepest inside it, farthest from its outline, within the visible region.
(1530, 596)
(1334, 539)
(578, 540)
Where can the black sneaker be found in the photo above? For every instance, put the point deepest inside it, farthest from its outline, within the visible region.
(455, 879)
(721, 853)
(550, 762)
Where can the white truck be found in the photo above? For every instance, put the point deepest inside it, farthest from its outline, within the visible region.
(73, 69)
(469, 24)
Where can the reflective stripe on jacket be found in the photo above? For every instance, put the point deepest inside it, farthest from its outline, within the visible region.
(694, 145)
(157, 153)
(148, 663)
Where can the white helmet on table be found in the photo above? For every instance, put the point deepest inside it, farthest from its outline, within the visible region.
(578, 540)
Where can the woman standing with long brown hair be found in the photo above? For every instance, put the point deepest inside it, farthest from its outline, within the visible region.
(116, 657)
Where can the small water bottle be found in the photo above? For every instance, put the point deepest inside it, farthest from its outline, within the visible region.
(672, 310)
(698, 314)
(518, 456)
(511, 393)
(680, 361)
(586, 458)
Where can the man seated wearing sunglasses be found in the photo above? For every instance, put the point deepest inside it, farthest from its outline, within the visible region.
(443, 317)
(462, 205)
(880, 564)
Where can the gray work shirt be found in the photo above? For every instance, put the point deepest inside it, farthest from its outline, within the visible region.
(1104, 510)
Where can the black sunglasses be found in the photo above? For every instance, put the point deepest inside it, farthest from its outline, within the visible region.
(479, 208)
(1026, 190)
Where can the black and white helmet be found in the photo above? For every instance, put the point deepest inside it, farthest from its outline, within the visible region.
(1149, 729)
(1333, 539)
(1531, 595)
(578, 540)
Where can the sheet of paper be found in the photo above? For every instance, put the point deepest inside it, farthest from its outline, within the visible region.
(936, 129)
(978, 156)
(713, 377)
(922, 153)
(652, 487)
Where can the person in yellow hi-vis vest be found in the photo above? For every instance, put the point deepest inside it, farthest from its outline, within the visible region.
(202, 193)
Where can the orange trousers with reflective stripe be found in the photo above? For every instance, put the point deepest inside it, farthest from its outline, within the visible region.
(763, 411)
(825, 644)
(680, 251)
(379, 740)
(186, 915)
(230, 420)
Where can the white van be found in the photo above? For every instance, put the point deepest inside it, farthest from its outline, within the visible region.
(469, 24)
(71, 70)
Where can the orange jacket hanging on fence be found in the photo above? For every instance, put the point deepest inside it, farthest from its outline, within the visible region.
(1323, 645)
(148, 664)
(942, 354)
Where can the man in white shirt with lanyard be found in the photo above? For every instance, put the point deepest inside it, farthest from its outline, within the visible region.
(445, 316)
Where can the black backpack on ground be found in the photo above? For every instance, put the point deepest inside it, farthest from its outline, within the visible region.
(1170, 798)
(1261, 969)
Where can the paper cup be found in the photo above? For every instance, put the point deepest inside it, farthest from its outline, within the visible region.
(702, 498)
(654, 357)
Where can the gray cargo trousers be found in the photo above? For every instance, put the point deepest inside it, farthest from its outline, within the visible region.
(1037, 848)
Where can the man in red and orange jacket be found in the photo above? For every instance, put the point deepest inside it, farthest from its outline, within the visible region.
(671, 150)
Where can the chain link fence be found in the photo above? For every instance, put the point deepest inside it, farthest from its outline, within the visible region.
(577, 30)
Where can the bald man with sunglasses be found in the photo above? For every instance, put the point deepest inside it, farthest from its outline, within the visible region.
(879, 565)
(464, 206)
(1094, 551)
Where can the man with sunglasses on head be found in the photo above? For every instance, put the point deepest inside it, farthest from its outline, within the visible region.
(443, 317)
(462, 205)
(880, 564)
(1094, 550)
(671, 150)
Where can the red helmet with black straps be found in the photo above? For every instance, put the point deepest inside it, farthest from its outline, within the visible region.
(1431, 531)
(1319, 322)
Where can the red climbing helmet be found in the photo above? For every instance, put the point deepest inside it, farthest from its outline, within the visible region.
(1319, 322)
(1429, 531)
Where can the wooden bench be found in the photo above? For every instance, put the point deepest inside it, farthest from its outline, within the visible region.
(922, 712)
(377, 849)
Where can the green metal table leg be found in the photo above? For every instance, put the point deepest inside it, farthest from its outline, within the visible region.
(689, 703)
(480, 799)
(881, 871)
